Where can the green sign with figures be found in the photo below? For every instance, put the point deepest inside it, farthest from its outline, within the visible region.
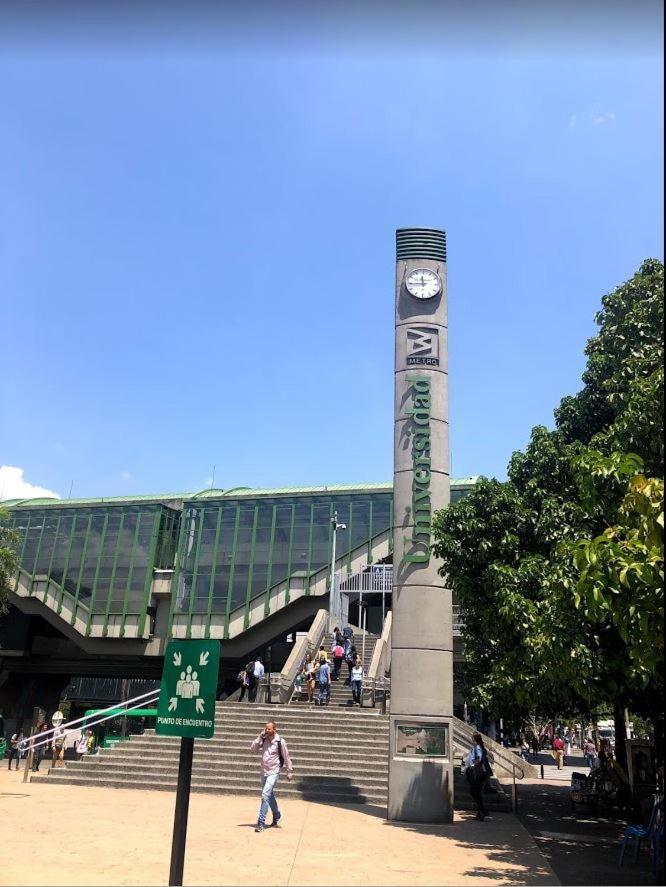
(187, 692)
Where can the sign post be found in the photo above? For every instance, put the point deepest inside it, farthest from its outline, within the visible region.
(186, 708)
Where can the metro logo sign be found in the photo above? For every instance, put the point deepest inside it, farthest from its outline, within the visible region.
(424, 341)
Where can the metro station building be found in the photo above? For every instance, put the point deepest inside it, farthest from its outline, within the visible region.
(103, 584)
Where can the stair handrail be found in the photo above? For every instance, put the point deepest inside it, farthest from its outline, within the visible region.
(507, 758)
(381, 661)
(64, 729)
(32, 578)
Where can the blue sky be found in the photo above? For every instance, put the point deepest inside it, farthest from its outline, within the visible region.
(197, 248)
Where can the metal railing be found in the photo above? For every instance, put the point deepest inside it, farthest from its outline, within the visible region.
(368, 580)
(46, 737)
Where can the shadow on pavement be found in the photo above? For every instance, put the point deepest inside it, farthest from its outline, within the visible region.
(580, 847)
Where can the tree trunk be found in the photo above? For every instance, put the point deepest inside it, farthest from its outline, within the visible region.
(620, 733)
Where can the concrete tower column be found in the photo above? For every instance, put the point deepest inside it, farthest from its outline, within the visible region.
(420, 757)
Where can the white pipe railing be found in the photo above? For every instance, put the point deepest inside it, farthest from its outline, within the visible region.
(64, 729)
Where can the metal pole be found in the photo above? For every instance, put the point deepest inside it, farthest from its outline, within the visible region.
(363, 624)
(36, 718)
(514, 791)
(181, 814)
(331, 590)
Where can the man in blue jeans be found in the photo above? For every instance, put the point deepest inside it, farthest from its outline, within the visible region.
(324, 682)
(274, 756)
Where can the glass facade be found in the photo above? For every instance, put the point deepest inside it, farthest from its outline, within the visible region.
(231, 551)
(225, 549)
(103, 557)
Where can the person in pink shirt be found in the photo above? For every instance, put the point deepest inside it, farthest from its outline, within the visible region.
(558, 751)
(274, 756)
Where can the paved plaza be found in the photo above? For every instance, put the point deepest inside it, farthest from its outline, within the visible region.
(66, 835)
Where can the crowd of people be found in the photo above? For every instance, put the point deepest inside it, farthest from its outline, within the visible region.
(47, 743)
(317, 673)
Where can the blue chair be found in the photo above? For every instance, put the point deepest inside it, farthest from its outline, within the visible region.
(640, 832)
(657, 848)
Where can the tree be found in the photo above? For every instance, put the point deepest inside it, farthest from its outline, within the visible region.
(580, 512)
(621, 406)
(8, 559)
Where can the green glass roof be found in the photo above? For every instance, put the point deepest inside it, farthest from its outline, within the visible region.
(216, 493)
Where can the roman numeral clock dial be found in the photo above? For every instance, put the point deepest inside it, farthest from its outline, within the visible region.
(422, 283)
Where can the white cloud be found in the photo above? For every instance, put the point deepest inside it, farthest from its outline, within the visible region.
(125, 475)
(598, 117)
(13, 486)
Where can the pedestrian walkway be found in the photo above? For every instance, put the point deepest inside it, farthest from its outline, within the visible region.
(112, 839)
(574, 763)
(580, 847)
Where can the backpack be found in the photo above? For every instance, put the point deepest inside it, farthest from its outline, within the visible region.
(347, 632)
(481, 769)
(281, 756)
(249, 668)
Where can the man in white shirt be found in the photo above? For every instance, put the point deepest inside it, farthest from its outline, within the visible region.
(254, 678)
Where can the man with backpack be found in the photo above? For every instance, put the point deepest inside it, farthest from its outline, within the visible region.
(254, 676)
(274, 757)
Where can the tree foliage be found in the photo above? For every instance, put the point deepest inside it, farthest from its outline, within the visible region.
(8, 558)
(559, 570)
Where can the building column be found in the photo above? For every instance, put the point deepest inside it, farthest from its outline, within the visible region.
(421, 741)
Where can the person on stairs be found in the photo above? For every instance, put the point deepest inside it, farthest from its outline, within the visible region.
(357, 681)
(350, 659)
(254, 677)
(274, 757)
(477, 772)
(338, 656)
(324, 684)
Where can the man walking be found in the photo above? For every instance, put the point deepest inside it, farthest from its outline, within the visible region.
(274, 756)
(254, 678)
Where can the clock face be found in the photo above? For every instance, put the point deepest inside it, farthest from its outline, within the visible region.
(423, 283)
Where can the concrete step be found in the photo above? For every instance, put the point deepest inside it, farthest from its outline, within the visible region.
(332, 793)
(495, 799)
(369, 758)
(243, 739)
(146, 771)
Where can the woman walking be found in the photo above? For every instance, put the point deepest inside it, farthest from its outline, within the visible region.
(477, 771)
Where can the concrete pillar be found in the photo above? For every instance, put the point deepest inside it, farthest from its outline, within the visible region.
(421, 755)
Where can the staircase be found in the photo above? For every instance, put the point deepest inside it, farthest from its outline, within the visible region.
(339, 757)
(341, 694)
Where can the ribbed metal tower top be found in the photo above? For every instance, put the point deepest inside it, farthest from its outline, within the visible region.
(420, 243)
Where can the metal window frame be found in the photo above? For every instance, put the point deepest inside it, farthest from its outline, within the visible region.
(112, 581)
(195, 570)
(213, 569)
(150, 566)
(250, 569)
(81, 566)
(93, 593)
(232, 568)
(65, 569)
(130, 571)
(53, 551)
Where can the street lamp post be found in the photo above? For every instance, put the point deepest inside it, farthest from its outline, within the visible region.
(331, 591)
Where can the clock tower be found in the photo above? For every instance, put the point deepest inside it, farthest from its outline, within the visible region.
(421, 753)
